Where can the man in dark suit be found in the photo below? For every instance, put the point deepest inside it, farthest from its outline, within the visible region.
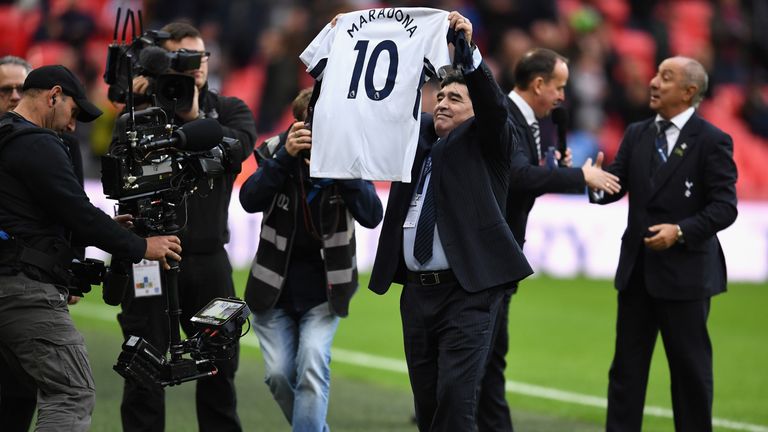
(540, 79)
(445, 239)
(681, 178)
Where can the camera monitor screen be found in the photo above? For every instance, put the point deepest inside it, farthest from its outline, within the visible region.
(218, 312)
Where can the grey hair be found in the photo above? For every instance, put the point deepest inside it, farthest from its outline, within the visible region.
(13, 60)
(696, 75)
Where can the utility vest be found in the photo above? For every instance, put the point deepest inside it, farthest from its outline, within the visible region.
(337, 230)
(51, 265)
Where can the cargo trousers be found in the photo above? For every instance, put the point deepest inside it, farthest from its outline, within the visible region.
(40, 342)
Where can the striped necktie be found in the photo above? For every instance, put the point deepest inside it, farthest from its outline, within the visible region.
(537, 137)
(660, 156)
(425, 228)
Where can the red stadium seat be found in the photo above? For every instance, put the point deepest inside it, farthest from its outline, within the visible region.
(51, 52)
(247, 84)
(567, 7)
(16, 29)
(616, 12)
(689, 26)
(610, 137)
(638, 45)
(89, 7)
(749, 150)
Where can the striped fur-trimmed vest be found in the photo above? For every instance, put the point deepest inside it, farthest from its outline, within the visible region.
(337, 227)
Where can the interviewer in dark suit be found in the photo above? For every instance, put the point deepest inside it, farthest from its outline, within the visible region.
(540, 79)
(451, 295)
(681, 181)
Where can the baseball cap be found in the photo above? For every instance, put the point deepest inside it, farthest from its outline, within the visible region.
(46, 77)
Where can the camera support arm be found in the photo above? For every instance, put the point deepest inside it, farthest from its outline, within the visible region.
(130, 102)
(174, 310)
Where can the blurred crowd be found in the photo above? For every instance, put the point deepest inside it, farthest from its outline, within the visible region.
(613, 47)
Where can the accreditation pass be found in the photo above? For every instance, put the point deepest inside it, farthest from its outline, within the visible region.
(146, 279)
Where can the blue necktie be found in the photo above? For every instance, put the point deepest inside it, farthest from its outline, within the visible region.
(425, 228)
(661, 143)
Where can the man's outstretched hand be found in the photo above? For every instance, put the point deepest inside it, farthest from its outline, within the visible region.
(161, 248)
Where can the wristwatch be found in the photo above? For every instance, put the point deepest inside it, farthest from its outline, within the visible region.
(680, 238)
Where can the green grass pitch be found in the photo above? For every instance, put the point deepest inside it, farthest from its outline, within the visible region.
(561, 339)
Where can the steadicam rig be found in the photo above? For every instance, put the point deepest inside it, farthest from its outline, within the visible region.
(151, 169)
(219, 326)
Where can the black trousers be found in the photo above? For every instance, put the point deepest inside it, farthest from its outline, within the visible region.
(447, 334)
(18, 395)
(202, 277)
(492, 410)
(683, 328)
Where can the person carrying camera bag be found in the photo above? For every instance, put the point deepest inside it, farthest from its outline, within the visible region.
(43, 207)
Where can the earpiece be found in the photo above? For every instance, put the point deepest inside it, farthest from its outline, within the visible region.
(53, 99)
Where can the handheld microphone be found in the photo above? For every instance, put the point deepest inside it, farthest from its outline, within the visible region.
(560, 119)
(195, 136)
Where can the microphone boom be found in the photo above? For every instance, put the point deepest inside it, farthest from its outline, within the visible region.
(560, 119)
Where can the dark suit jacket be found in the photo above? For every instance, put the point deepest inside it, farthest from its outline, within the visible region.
(470, 174)
(528, 180)
(696, 189)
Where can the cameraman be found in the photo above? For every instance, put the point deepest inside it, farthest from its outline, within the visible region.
(44, 207)
(304, 274)
(205, 272)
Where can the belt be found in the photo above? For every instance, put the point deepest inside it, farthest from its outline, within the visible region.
(430, 278)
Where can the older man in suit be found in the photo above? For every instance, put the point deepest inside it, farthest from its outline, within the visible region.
(540, 79)
(445, 238)
(681, 178)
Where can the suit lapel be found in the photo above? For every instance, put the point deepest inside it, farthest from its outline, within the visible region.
(437, 153)
(646, 152)
(404, 191)
(530, 141)
(685, 142)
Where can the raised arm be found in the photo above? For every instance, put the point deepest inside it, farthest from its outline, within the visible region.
(498, 138)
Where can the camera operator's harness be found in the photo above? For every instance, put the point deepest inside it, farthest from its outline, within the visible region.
(51, 268)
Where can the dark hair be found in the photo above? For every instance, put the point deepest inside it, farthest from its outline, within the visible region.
(301, 103)
(450, 76)
(538, 62)
(13, 60)
(181, 30)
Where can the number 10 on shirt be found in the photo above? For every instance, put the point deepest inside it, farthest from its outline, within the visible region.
(370, 90)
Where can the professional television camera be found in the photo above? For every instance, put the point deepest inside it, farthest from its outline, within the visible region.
(151, 168)
(169, 88)
(150, 156)
(218, 324)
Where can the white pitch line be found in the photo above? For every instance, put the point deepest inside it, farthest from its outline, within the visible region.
(371, 361)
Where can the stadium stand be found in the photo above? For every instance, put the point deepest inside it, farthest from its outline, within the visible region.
(634, 35)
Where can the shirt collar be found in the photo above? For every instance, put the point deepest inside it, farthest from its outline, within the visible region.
(525, 109)
(679, 120)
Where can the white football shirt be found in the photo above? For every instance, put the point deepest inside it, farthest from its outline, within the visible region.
(372, 65)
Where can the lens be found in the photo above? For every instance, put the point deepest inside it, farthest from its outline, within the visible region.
(175, 92)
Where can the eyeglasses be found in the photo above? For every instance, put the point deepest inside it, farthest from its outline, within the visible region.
(7, 91)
